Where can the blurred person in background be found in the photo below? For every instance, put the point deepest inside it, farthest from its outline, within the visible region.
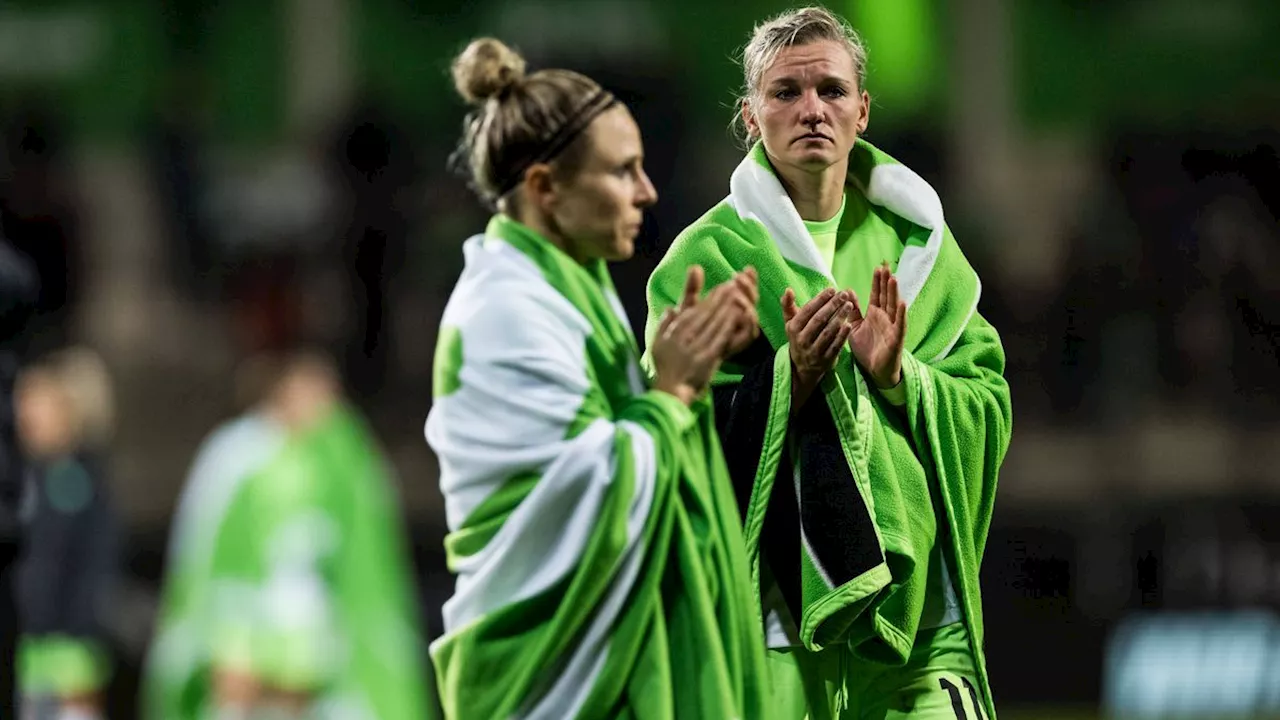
(311, 605)
(65, 416)
(19, 291)
(592, 528)
(176, 682)
(864, 439)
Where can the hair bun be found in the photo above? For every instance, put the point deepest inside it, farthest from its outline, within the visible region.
(485, 68)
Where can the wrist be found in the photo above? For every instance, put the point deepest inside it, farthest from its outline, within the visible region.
(684, 392)
(890, 382)
(805, 378)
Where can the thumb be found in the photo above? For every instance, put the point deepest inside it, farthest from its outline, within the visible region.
(788, 304)
(668, 316)
(692, 286)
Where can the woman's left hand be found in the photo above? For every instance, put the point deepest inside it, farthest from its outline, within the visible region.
(878, 337)
(739, 297)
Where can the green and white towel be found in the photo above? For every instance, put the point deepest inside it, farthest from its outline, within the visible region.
(601, 572)
(176, 678)
(302, 580)
(857, 542)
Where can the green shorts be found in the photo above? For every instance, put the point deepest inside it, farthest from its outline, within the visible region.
(938, 682)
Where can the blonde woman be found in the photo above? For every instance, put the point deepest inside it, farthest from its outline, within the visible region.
(866, 426)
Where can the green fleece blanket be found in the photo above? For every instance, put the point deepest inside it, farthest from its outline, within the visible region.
(855, 546)
(601, 572)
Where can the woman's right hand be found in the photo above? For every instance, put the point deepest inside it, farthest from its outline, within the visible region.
(692, 340)
(816, 332)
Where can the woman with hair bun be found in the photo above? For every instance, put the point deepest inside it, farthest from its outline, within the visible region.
(596, 541)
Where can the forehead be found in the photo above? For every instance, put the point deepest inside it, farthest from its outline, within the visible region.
(811, 61)
(34, 382)
(614, 135)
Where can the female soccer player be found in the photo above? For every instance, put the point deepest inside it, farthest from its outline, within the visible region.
(864, 439)
(599, 559)
(289, 594)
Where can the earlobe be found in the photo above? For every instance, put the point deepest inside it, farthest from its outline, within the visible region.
(749, 119)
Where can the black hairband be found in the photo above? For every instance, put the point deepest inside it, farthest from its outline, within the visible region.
(599, 101)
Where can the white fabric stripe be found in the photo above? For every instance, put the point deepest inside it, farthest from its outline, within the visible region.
(756, 194)
(544, 537)
(900, 190)
(230, 455)
(177, 650)
(780, 630)
(804, 538)
(574, 685)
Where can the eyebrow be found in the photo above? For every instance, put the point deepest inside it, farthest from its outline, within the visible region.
(626, 160)
(792, 80)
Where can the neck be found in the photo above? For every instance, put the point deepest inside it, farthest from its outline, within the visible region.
(273, 412)
(545, 227)
(816, 195)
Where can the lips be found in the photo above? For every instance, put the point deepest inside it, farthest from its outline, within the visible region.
(812, 136)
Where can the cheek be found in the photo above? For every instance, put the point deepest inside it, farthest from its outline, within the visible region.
(772, 119)
(779, 122)
(38, 419)
(594, 210)
(851, 114)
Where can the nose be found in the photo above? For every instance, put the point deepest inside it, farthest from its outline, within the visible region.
(812, 111)
(646, 193)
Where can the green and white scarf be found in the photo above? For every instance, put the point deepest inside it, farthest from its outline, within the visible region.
(593, 530)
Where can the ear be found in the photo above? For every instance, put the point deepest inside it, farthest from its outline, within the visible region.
(539, 188)
(749, 119)
(864, 118)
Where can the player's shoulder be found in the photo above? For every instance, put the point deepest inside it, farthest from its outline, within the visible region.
(714, 227)
(504, 301)
(231, 435)
(714, 241)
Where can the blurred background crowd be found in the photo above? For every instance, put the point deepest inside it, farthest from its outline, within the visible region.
(195, 184)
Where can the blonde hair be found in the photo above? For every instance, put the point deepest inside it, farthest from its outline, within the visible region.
(789, 29)
(519, 119)
(83, 378)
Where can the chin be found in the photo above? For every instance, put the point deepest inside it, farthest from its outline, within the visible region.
(816, 158)
(622, 250)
